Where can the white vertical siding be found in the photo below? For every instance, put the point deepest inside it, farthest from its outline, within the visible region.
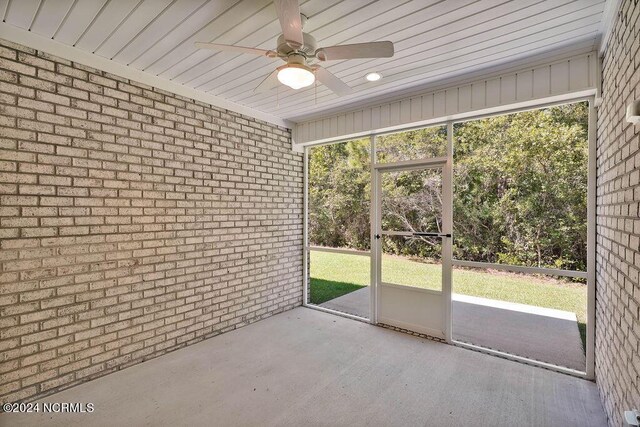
(561, 77)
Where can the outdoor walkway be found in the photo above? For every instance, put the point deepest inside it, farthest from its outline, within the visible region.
(537, 333)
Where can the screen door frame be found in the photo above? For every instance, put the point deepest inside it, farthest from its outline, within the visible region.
(445, 164)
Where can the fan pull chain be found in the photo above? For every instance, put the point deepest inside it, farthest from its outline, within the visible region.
(315, 92)
(278, 96)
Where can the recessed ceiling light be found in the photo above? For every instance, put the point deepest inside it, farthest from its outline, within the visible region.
(373, 77)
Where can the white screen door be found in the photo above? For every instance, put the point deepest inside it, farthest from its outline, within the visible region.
(412, 246)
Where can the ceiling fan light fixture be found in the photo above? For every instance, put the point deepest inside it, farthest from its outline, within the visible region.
(296, 76)
(300, 51)
(373, 77)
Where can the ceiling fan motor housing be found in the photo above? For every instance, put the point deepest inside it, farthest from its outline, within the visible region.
(308, 49)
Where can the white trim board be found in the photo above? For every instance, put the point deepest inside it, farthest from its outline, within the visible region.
(609, 15)
(34, 41)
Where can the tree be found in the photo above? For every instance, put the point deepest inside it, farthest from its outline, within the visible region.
(520, 183)
(339, 195)
(520, 186)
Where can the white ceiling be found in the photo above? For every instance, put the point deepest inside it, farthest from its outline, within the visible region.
(434, 40)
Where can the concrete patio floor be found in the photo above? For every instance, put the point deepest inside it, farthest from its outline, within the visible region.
(305, 367)
(537, 333)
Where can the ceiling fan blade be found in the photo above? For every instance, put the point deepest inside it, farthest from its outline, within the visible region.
(268, 83)
(331, 81)
(289, 16)
(357, 50)
(238, 49)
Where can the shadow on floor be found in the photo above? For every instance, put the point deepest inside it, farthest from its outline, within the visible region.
(327, 290)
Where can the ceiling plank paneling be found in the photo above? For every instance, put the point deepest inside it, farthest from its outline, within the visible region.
(448, 67)
(379, 32)
(228, 62)
(421, 47)
(459, 69)
(428, 18)
(581, 45)
(21, 12)
(50, 16)
(79, 18)
(157, 30)
(174, 47)
(230, 28)
(4, 4)
(432, 19)
(136, 22)
(434, 40)
(107, 21)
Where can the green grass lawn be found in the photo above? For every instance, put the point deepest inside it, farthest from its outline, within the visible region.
(333, 275)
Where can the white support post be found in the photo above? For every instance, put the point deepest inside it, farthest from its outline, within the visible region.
(591, 242)
(305, 230)
(447, 242)
(373, 219)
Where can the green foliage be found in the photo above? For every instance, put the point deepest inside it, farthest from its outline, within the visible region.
(339, 195)
(520, 183)
(413, 144)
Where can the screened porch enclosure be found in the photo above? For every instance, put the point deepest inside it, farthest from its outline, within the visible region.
(474, 232)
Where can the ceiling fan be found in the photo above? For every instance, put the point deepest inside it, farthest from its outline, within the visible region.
(300, 52)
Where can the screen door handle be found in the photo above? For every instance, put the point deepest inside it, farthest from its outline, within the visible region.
(441, 235)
